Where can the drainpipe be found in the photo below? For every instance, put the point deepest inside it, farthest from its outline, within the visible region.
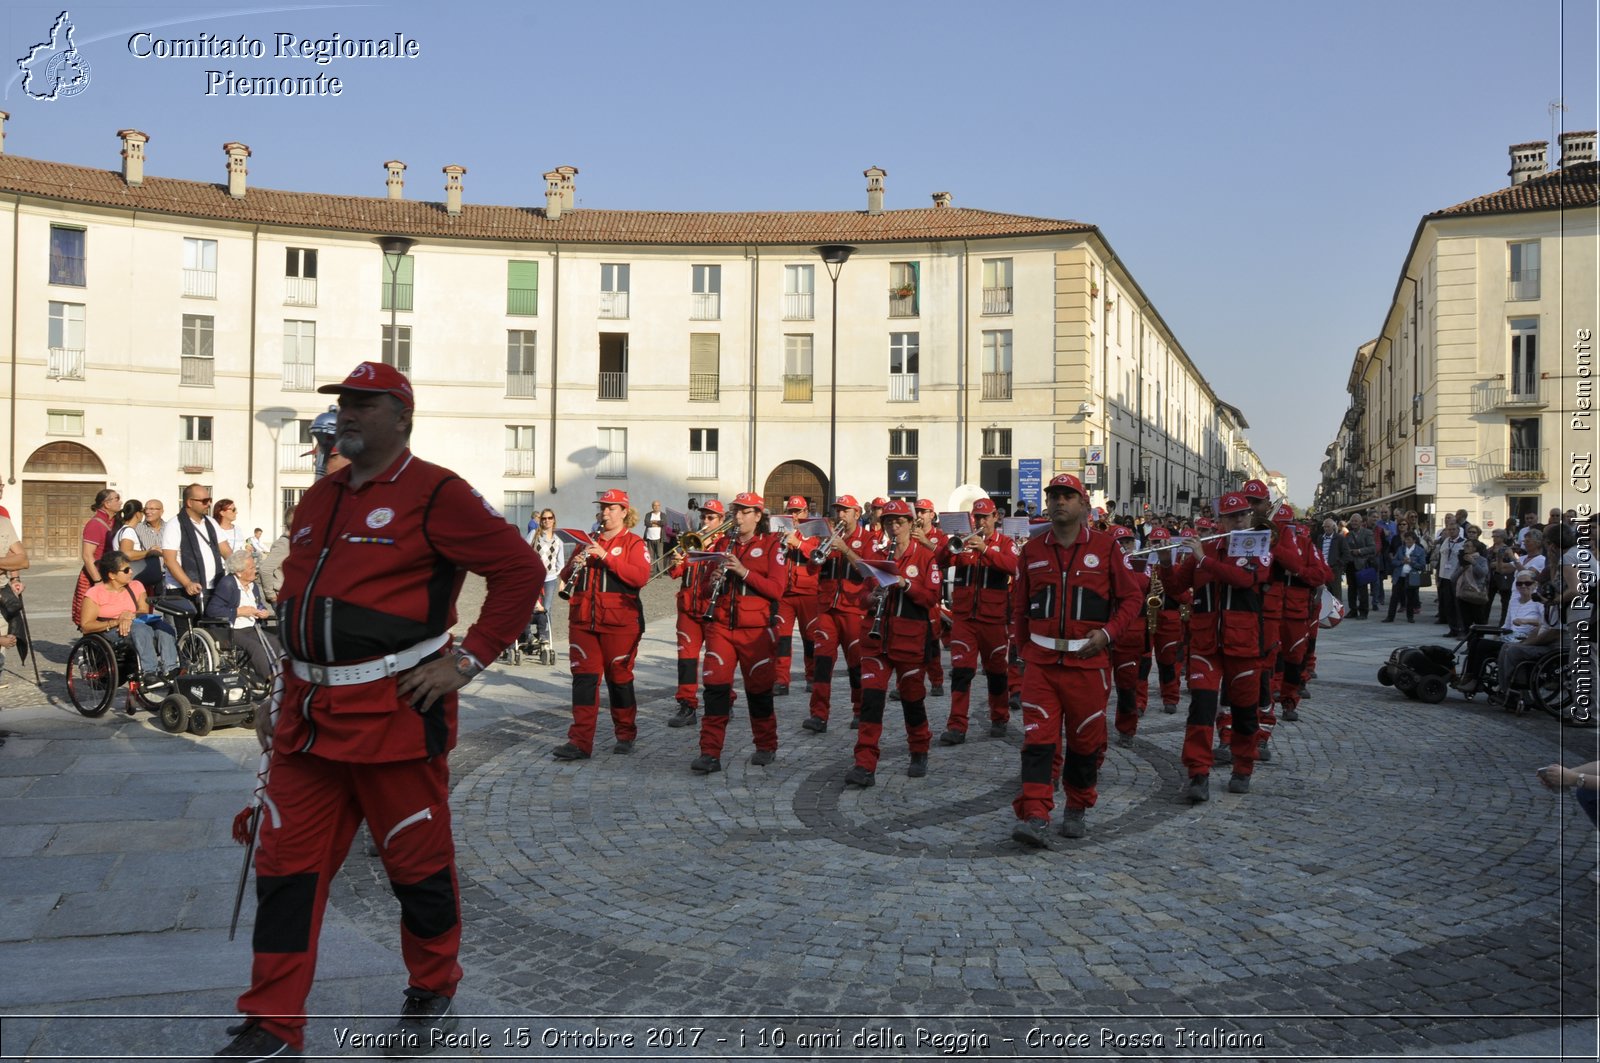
(250, 434)
(961, 364)
(16, 220)
(555, 353)
(754, 255)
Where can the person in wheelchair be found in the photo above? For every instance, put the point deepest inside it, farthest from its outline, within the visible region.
(1524, 617)
(116, 607)
(237, 599)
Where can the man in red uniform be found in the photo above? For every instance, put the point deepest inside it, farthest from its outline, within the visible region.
(896, 642)
(605, 622)
(1286, 565)
(693, 593)
(980, 592)
(742, 632)
(1073, 596)
(839, 609)
(798, 606)
(1168, 648)
(1225, 649)
(1299, 616)
(927, 531)
(1130, 654)
(378, 552)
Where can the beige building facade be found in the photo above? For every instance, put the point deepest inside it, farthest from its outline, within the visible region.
(163, 331)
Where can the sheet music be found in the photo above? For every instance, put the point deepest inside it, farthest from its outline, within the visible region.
(883, 573)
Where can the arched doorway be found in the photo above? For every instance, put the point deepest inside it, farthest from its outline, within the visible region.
(54, 509)
(794, 478)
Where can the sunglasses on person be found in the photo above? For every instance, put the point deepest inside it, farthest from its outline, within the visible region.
(1527, 583)
(207, 501)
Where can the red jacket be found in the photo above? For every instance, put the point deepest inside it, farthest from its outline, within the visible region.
(1070, 592)
(980, 586)
(1227, 601)
(802, 577)
(752, 600)
(605, 595)
(376, 569)
(840, 588)
(903, 633)
(1288, 565)
(694, 590)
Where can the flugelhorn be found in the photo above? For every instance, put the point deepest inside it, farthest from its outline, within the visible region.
(826, 548)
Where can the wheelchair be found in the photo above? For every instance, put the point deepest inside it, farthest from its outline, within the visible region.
(97, 667)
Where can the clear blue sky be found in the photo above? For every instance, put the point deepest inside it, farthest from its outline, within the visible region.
(1260, 166)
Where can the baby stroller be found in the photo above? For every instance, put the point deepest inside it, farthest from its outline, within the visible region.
(1422, 673)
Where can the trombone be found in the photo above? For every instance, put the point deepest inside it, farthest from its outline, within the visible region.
(690, 540)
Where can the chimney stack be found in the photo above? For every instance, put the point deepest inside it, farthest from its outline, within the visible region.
(874, 178)
(1528, 160)
(552, 195)
(3, 116)
(133, 143)
(1576, 148)
(397, 178)
(452, 188)
(237, 153)
(568, 185)
(941, 199)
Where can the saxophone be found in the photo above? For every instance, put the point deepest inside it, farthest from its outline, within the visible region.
(1154, 601)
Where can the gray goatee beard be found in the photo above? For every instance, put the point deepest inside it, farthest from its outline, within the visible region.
(351, 445)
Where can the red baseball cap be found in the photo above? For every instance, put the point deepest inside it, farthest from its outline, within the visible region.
(1233, 502)
(983, 507)
(1254, 489)
(846, 502)
(1065, 481)
(748, 500)
(375, 377)
(796, 502)
(879, 502)
(896, 507)
(923, 503)
(1159, 533)
(1284, 514)
(711, 505)
(1120, 532)
(614, 497)
(1204, 524)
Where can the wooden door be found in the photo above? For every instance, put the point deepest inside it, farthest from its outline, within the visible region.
(794, 478)
(53, 515)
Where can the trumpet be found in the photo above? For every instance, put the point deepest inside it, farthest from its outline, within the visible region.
(826, 548)
(882, 594)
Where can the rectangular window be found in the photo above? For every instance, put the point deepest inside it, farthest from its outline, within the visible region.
(706, 293)
(702, 453)
(519, 450)
(296, 448)
(299, 355)
(704, 358)
(903, 294)
(799, 290)
(612, 445)
(519, 508)
(522, 289)
(522, 348)
(194, 443)
(397, 347)
(903, 359)
(1523, 380)
(68, 256)
(199, 268)
(902, 442)
(613, 365)
(797, 368)
(997, 442)
(997, 286)
(399, 277)
(997, 364)
(614, 289)
(289, 496)
(1524, 274)
(199, 351)
(68, 359)
(64, 423)
(300, 276)
(1524, 457)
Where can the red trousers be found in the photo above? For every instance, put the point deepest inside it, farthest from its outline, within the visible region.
(910, 681)
(1293, 646)
(1168, 652)
(609, 653)
(1130, 672)
(832, 631)
(313, 807)
(752, 649)
(973, 642)
(1209, 674)
(795, 612)
(1063, 714)
(934, 658)
(691, 640)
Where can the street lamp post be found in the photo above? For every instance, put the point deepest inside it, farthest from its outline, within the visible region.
(833, 259)
(394, 249)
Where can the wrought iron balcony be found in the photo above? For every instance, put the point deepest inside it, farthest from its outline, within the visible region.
(613, 386)
(66, 363)
(997, 385)
(1492, 395)
(1521, 465)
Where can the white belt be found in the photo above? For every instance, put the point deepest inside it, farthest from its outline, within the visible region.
(347, 675)
(1058, 645)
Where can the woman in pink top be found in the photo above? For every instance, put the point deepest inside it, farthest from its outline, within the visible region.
(112, 608)
(96, 537)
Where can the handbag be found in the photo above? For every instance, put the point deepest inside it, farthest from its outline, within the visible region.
(1367, 575)
(10, 601)
(1470, 589)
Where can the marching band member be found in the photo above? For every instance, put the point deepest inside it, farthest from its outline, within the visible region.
(1130, 654)
(693, 590)
(839, 609)
(1073, 595)
(897, 642)
(926, 530)
(1286, 564)
(742, 631)
(1299, 616)
(798, 607)
(606, 622)
(980, 594)
(1169, 637)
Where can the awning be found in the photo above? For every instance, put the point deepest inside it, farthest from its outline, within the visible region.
(1409, 492)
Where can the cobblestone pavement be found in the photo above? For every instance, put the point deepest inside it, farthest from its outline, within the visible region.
(1397, 883)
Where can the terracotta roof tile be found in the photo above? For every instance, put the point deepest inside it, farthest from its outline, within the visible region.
(199, 199)
(1575, 186)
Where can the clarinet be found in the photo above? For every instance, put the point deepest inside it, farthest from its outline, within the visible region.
(578, 566)
(876, 633)
(719, 587)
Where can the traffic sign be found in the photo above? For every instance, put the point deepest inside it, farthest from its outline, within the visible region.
(1426, 455)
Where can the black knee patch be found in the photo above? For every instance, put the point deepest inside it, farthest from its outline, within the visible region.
(961, 678)
(872, 702)
(916, 712)
(427, 908)
(822, 670)
(930, 647)
(1037, 763)
(1167, 672)
(808, 647)
(688, 671)
(785, 646)
(719, 699)
(283, 912)
(1202, 708)
(1125, 701)
(997, 683)
(1292, 673)
(1245, 721)
(585, 689)
(621, 695)
(761, 706)
(855, 676)
(1144, 668)
(1080, 769)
